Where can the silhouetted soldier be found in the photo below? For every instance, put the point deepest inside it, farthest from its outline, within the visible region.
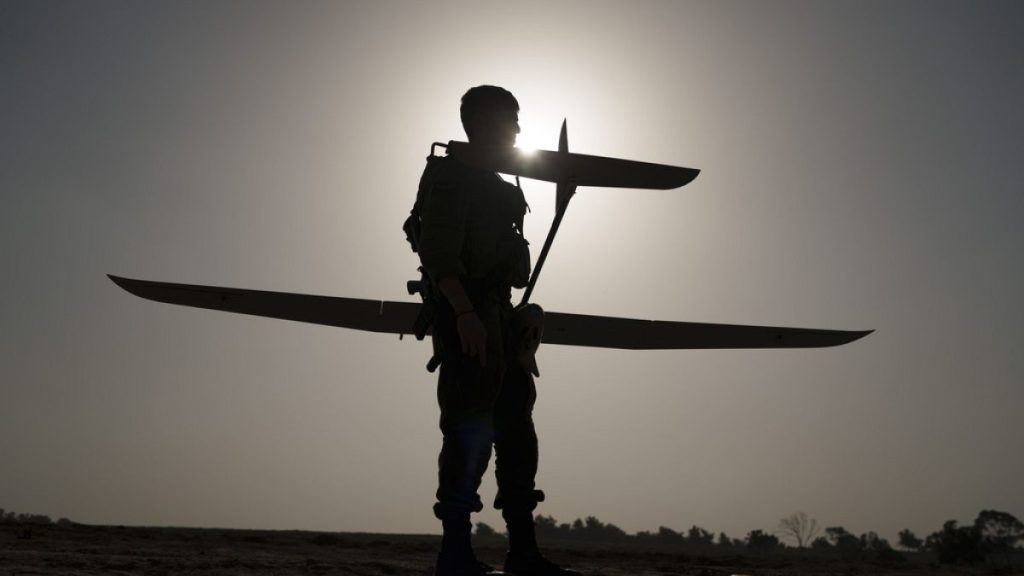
(473, 251)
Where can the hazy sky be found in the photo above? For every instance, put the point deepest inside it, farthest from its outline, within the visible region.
(861, 168)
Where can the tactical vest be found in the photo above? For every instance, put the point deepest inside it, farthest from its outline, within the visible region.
(502, 256)
(511, 268)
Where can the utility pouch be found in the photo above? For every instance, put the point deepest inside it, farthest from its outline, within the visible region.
(412, 228)
(527, 330)
(520, 273)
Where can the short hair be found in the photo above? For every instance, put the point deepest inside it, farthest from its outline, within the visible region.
(485, 100)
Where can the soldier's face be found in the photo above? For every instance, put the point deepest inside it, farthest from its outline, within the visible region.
(499, 128)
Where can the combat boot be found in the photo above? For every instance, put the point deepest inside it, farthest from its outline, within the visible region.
(462, 565)
(534, 564)
(456, 557)
(524, 557)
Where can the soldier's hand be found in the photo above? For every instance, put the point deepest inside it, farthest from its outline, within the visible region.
(473, 334)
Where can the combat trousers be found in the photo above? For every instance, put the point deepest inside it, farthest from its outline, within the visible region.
(483, 407)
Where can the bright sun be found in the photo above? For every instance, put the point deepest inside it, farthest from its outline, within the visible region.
(531, 137)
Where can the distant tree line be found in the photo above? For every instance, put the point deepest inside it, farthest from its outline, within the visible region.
(7, 517)
(994, 536)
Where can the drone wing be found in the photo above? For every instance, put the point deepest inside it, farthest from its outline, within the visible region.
(633, 334)
(569, 167)
(559, 328)
(354, 313)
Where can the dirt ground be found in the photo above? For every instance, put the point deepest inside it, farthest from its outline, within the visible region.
(76, 550)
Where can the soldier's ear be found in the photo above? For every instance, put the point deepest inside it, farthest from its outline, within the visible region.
(473, 127)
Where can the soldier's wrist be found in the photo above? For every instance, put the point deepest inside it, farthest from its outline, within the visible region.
(469, 310)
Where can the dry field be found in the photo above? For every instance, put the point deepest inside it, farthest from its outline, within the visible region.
(78, 550)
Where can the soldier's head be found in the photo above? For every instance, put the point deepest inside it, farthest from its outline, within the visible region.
(490, 116)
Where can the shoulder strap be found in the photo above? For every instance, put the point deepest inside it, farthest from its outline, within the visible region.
(412, 225)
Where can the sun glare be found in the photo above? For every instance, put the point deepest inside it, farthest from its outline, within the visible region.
(530, 137)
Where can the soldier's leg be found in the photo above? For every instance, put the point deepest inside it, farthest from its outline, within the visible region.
(465, 451)
(516, 469)
(516, 457)
(466, 394)
(467, 436)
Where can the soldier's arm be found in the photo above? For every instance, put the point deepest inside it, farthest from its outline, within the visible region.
(443, 218)
(472, 331)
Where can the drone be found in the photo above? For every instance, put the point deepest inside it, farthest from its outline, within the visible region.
(568, 171)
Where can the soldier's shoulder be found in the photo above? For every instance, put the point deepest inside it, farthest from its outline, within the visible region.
(447, 171)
